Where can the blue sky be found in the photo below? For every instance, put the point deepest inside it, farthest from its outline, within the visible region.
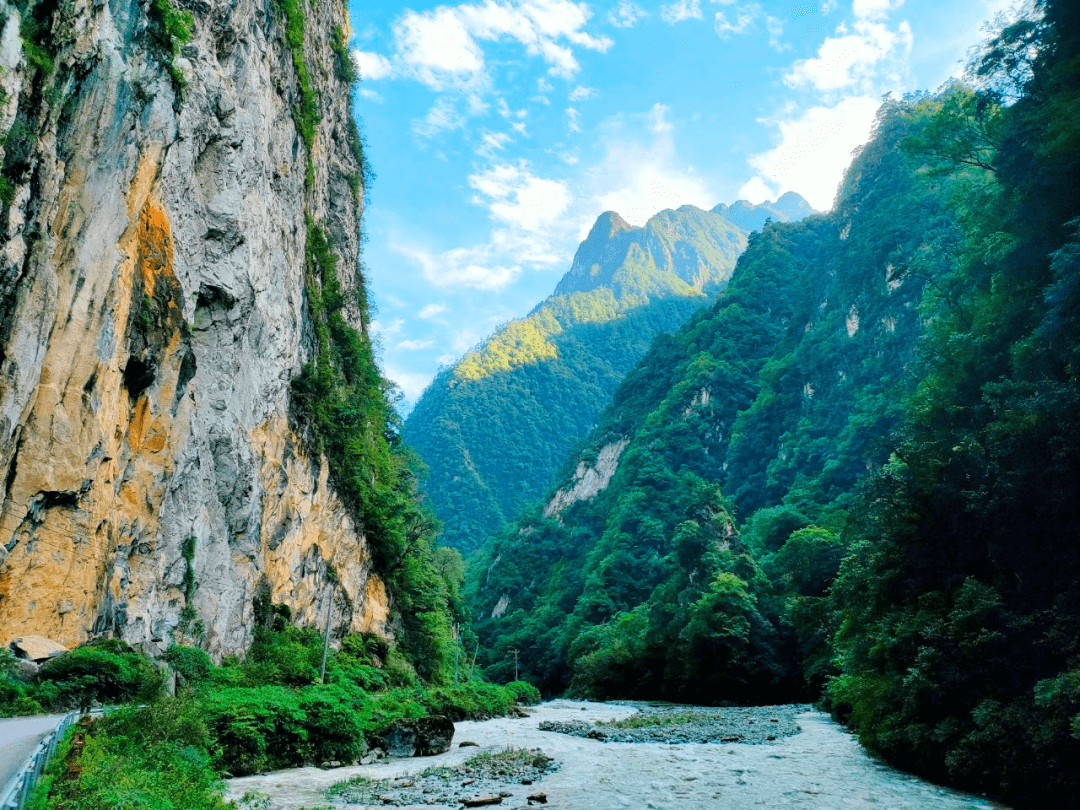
(500, 129)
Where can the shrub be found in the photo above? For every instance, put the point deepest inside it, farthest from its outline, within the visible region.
(150, 757)
(108, 671)
(524, 693)
(367, 678)
(7, 191)
(290, 657)
(256, 729)
(399, 669)
(334, 731)
(14, 699)
(176, 720)
(191, 662)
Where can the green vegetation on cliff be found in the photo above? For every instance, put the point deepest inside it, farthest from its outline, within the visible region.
(856, 475)
(495, 428)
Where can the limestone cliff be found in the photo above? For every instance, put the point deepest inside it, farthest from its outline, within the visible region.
(153, 312)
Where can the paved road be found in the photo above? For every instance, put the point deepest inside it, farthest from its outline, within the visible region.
(18, 736)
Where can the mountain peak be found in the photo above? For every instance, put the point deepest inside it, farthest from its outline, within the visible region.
(607, 225)
(789, 207)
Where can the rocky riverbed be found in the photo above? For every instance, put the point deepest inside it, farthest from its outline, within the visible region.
(818, 767)
(675, 725)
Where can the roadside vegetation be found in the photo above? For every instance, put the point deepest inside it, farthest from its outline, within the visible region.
(265, 712)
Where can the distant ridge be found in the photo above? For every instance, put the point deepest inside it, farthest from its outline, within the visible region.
(494, 428)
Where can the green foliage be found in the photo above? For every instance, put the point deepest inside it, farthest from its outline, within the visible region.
(173, 28)
(346, 69)
(887, 399)
(190, 624)
(38, 47)
(306, 111)
(7, 191)
(341, 402)
(15, 698)
(105, 671)
(154, 757)
(191, 662)
(524, 692)
(958, 607)
(770, 395)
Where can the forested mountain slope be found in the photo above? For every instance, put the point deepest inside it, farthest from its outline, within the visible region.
(856, 475)
(777, 398)
(494, 428)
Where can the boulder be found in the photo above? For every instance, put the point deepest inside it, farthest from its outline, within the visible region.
(37, 648)
(482, 801)
(27, 670)
(420, 738)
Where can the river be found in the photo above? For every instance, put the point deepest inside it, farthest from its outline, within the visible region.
(822, 767)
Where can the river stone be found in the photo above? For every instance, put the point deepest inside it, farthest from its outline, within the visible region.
(481, 801)
(420, 738)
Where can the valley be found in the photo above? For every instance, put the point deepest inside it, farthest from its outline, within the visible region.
(762, 505)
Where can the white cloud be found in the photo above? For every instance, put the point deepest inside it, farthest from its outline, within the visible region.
(581, 93)
(461, 267)
(414, 345)
(640, 176)
(370, 95)
(372, 66)
(874, 9)
(626, 14)
(814, 150)
(682, 10)
(851, 58)
(743, 19)
(492, 142)
(441, 47)
(544, 86)
(411, 383)
(437, 47)
(775, 26)
(518, 198)
(388, 329)
(573, 119)
(530, 227)
(757, 191)
(444, 116)
(431, 311)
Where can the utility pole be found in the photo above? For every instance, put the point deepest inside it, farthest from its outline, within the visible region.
(326, 641)
(515, 652)
(456, 630)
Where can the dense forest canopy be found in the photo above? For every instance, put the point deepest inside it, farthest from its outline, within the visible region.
(855, 477)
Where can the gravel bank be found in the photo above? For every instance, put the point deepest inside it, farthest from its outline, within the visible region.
(676, 725)
(485, 774)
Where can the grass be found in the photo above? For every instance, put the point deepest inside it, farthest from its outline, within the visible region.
(654, 720)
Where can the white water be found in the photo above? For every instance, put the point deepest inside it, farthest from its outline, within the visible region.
(823, 768)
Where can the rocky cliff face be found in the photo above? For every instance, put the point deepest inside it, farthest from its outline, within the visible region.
(153, 313)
